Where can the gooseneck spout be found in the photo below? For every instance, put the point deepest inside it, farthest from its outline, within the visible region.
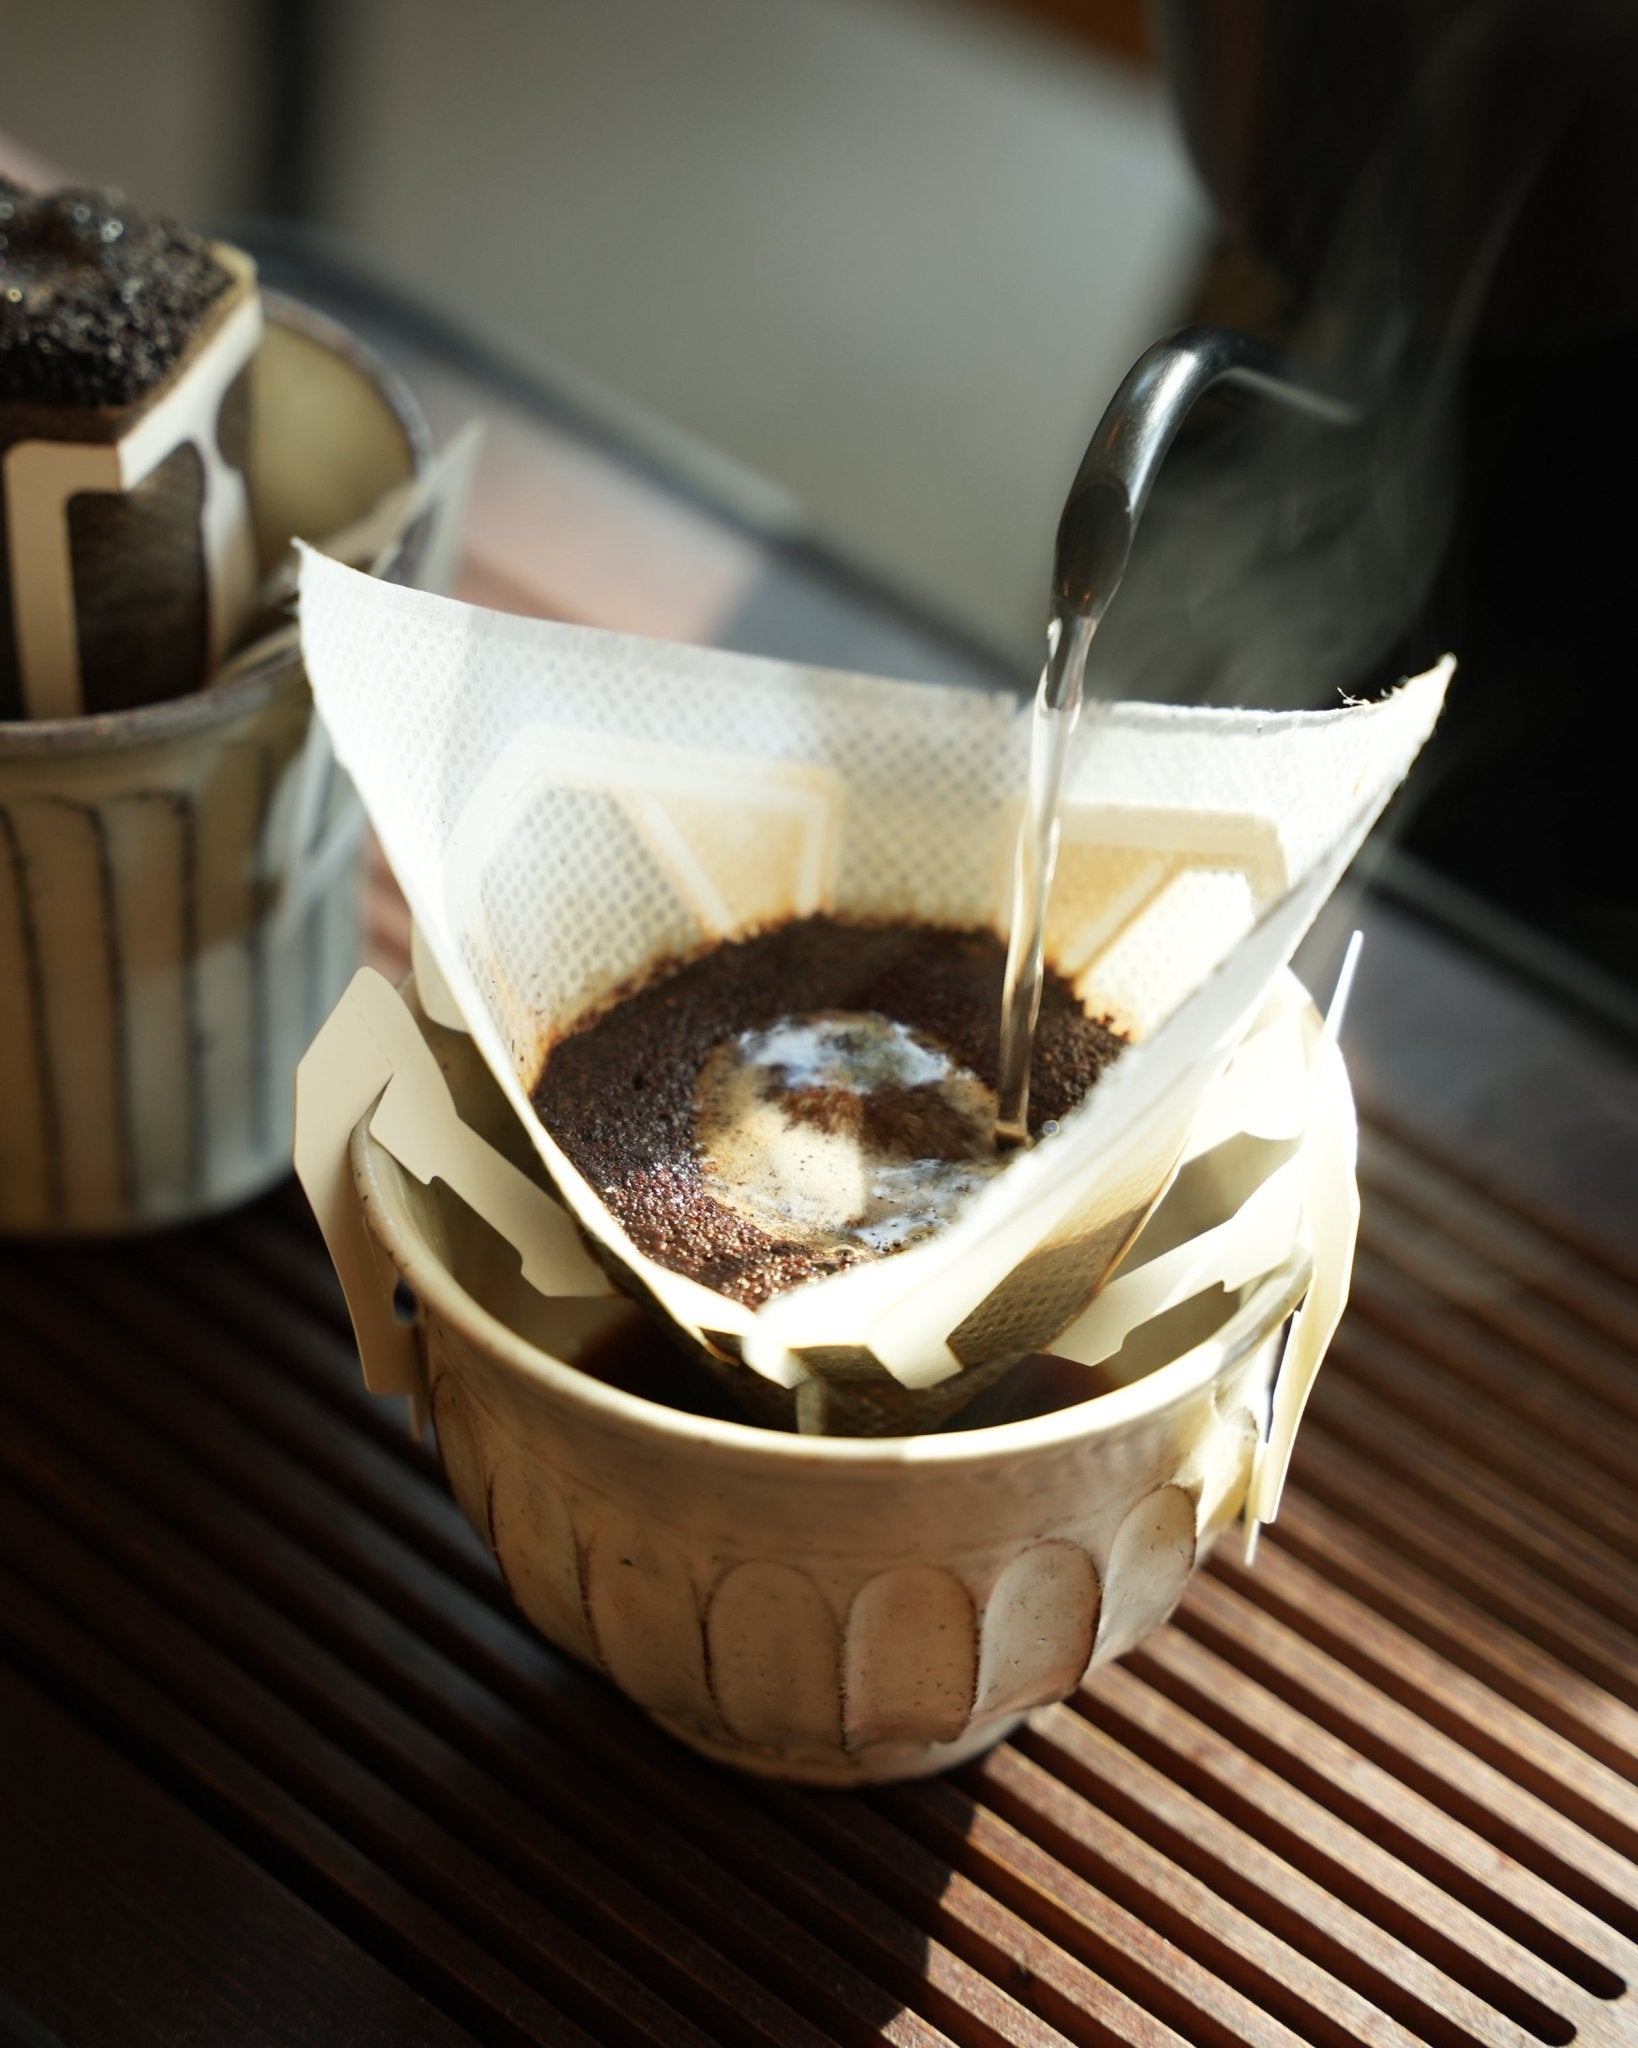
(1139, 424)
(1095, 536)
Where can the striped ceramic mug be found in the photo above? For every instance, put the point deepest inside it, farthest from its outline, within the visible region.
(179, 896)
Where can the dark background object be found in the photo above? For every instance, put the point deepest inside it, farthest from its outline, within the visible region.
(1458, 180)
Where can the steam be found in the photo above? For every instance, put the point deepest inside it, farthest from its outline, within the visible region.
(1282, 561)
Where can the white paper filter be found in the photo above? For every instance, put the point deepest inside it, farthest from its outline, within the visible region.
(565, 807)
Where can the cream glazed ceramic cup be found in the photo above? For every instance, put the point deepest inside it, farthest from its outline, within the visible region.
(179, 896)
(832, 1610)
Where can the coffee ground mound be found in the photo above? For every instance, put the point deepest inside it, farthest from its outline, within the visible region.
(619, 1093)
(97, 303)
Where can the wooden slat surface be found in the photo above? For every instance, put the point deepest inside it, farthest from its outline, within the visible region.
(267, 1691)
(112, 1860)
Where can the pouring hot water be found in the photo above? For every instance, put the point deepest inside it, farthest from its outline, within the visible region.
(743, 1040)
(1095, 536)
(849, 1129)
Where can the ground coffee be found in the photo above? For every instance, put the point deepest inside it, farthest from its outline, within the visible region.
(623, 1094)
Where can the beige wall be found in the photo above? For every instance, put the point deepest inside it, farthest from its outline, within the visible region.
(155, 96)
(892, 253)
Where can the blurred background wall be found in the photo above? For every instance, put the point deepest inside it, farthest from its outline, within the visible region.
(893, 254)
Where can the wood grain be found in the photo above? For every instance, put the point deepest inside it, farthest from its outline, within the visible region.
(1378, 1789)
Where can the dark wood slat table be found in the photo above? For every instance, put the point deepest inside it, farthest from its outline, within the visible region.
(281, 1763)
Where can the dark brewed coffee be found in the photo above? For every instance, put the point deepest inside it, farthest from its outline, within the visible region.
(638, 1355)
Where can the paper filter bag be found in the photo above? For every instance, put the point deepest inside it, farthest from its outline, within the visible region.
(564, 808)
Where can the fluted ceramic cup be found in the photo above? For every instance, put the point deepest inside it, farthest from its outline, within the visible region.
(179, 895)
(833, 1610)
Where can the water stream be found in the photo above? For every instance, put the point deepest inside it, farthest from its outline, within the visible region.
(1035, 856)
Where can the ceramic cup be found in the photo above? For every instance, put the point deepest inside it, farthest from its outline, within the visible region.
(833, 1610)
(179, 896)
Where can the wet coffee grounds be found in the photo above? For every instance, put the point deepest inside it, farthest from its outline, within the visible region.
(619, 1094)
(97, 303)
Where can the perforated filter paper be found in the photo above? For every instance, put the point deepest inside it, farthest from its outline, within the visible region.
(565, 807)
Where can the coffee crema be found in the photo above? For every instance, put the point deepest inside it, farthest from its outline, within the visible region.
(788, 1105)
(843, 1128)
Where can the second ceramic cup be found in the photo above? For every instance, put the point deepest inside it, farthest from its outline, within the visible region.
(179, 891)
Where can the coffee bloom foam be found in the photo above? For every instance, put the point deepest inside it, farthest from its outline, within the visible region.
(844, 1129)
